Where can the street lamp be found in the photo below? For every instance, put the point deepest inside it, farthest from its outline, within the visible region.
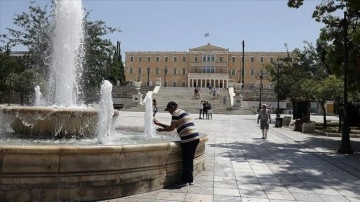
(243, 63)
(278, 120)
(278, 88)
(148, 75)
(165, 72)
(345, 146)
(260, 75)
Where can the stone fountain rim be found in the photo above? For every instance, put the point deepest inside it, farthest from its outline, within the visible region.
(95, 148)
(50, 110)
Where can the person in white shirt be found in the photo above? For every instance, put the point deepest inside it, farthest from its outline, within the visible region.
(265, 119)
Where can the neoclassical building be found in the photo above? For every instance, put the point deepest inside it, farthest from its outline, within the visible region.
(199, 66)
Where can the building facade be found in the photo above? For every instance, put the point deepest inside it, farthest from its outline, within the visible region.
(200, 66)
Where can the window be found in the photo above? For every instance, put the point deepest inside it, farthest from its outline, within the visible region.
(139, 70)
(233, 72)
(166, 58)
(175, 59)
(208, 69)
(221, 59)
(157, 58)
(212, 58)
(195, 58)
(174, 71)
(132, 59)
(208, 58)
(221, 71)
(184, 59)
(195, 70)
(252, 72)
(184, 71)
(131, 71)
(140, 58)
(261, 59)
(157, 71)
(174, 84)
(271, 59)
(204, 59)
(149, 59)
(233, 59)
(183, 84)
(252, 59)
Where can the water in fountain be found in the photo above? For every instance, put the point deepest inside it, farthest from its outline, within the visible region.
(38, 97)
(149, 125)
(106, 111)
(67, 53)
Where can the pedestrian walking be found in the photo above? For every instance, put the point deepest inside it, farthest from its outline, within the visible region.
(265, 119)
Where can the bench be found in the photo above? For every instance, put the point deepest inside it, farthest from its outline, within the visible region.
(118, 106)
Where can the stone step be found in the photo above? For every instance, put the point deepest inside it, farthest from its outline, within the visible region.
(184, 98)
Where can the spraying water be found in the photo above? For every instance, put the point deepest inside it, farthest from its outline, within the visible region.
(106, 111)
(67, 53)
(38, 96)
(149, 125)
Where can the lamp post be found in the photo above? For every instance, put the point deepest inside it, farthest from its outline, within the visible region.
(148, 75)
(278, 88)
(243, 63)
(260, 76)
(165, 72)
(345, 146)
(278, 120)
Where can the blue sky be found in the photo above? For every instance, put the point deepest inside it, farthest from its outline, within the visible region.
(177, 25)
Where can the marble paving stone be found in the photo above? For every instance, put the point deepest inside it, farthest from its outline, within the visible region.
(254, 200)
(227, 192)
(300, 196)
(203, 183)
(199, 198)
(256, 187)
(225, 184)
(224, 198)
(334, 198)
(252, 194)
(172, 196)
(280, 195)
(194, 189)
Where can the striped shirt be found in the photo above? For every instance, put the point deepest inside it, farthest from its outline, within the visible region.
(184, 126)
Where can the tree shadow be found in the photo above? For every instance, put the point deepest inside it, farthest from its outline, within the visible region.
(312, 164)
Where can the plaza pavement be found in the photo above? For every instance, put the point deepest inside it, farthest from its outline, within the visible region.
(240, 166)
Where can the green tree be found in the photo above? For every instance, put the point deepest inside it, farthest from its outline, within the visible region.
(332, 38)
(36, 33)
(25, 84)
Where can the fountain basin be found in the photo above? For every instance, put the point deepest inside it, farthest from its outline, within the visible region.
(88, 173)
(51, 121)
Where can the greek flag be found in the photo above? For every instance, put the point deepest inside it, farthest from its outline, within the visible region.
(206, 34)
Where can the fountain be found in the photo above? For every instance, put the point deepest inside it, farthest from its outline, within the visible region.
(62, 171)
(149, 125)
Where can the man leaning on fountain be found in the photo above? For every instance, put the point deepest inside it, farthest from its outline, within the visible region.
(189, 136)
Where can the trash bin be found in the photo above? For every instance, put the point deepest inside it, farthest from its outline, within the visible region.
(286, 120)
(278, 122)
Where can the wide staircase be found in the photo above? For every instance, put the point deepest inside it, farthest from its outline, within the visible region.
(184, 97)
